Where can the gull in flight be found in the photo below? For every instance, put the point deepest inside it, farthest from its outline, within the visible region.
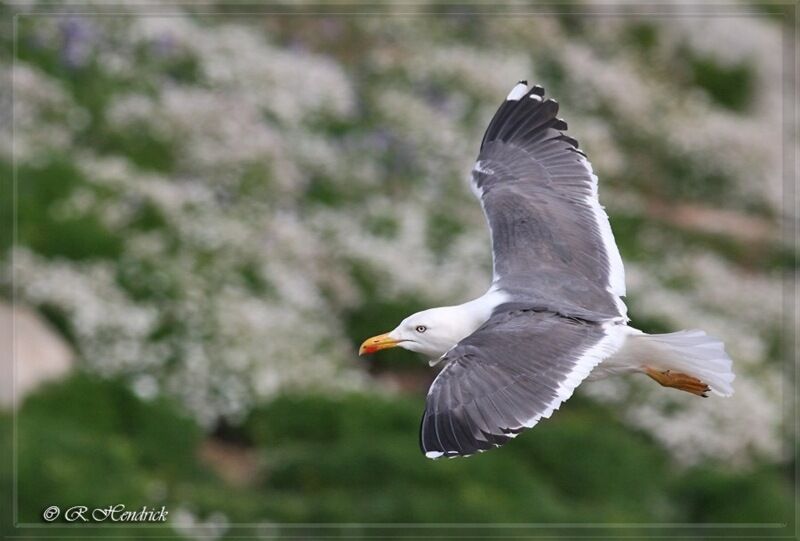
(553, 315)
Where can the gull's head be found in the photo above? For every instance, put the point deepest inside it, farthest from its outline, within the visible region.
(430, 332)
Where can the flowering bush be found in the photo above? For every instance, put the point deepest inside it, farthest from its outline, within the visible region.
(205, 202)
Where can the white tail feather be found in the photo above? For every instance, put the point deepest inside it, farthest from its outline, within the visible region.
(690, 352)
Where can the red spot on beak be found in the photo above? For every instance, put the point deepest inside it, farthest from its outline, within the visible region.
(377, 343)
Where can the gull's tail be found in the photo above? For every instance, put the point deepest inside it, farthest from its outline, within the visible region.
(668, 358)
(691, 352)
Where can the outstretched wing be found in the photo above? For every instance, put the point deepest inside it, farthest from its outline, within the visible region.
(539, 195)
(513, 371)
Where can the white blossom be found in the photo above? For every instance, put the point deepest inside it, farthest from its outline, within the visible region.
(283, 158)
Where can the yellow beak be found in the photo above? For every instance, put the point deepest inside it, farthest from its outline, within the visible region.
(377, 343)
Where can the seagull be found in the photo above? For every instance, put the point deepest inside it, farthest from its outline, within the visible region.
(553, 315)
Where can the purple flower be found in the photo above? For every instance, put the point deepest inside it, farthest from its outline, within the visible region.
(77, 41)
(164, 46)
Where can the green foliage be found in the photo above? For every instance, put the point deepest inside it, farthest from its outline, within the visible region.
(730, 86)
(355, 459)
(145, 150)
(381, 226)
(93, 443)
(704, 495)
(6, 206)
(642, 36)
(40, 188)
(782, 13)
(630, 231)
(321, 190)
(443, 228)
(362, 444)
(573, 22)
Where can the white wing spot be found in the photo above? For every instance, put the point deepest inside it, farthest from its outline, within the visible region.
(481, 168)
(517, 92)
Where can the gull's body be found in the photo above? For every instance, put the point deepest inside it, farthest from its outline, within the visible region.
(553, 315)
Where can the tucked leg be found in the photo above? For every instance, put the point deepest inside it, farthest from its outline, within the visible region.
(677, 380)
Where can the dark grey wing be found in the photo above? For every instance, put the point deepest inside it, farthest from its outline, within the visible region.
(539, 194)
(513, 371)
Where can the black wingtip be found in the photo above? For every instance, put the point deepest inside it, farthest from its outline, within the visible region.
(522, 120)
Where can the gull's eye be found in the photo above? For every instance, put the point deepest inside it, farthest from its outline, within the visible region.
(421, 328)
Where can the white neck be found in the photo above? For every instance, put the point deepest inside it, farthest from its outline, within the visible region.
(458, 322)
(476, 312)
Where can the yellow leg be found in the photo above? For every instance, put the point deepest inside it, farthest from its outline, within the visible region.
(677, 380)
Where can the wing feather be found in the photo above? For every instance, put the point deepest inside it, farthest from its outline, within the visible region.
(506, 376)
(550, 236)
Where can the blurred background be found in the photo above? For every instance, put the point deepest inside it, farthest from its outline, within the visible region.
(213, 211)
